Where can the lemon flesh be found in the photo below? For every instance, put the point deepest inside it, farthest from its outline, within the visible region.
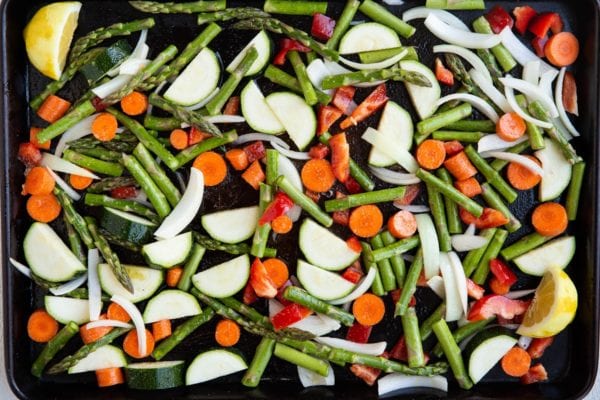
(48, 36)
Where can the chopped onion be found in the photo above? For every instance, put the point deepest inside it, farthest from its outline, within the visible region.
(546, 80)
(460, 279)
(132, 66)
(360, 289)
(225, 119)
(110, 87)
(475, 101)
(187, 208)
(64, 185)
(558, 99)
(510, 97)
(524, 342)
(335, 68)
(490, 90)
(389, 146)
(467, 242)
(136, 317)
(413, 208)
(142, 198)
(396, 381)
(519, 51)
(459, 37)
(470, 229)
(294, 213)
(516, 158)
(20, 267)
(372, 349)
(378, 65)
(394, 2)
(287, 168)
(204, 101)
(517, 294)
(294, 155)
(94, 290)
(274, 307)
(531, 72)
(429, 244)
(316, 325)
(532, 92)
(468, 55)
(436, 284)
(493, 142)
(251, 137)
(317, 71)
(393, 177)
(69, 286)
(58, 164)
(310, 378)
(77, 131)
(454, 306)
(101, 323)
(443, 15)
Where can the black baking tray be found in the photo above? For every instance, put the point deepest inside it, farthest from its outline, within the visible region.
(571, 362)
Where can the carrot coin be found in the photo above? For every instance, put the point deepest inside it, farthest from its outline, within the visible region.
(212, 166)
(368, 309)
(317, 175)
(403, 224)
(366, 221)
(549, 219)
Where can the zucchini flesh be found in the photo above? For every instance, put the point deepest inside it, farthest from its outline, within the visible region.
(213, 364)
(169, 252)
(171, 304)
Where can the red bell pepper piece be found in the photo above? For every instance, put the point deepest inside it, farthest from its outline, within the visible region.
(352, 275)
(358, 333)
(29, 154)
(341, 217)
(422, 281)
(352, 186)
(327, 117)
(498, 19)
(367, 374)
(491, 218)
(523, 16)
(261, 282)
(537, 373)
(443, 74)
(502, 272)
(538, 346)
(99, 104)
(124, 192)
(372, 103)
(541, 24)
(322, 27)
(498, 287)
(538, 45)
(453, 147)
(249, 296)
(491, 305)
(474, 291)
(255, 151)
(410, 194)
(569, 94)
(399, 351)
(286, 45)
(396, 296)
(280, 205)
(340, 156)
(289, 315)
(343, 99)
(318, 151)
(354, 244)
(280, 292)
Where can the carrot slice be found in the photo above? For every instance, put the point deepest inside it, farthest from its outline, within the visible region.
(135, 103)
(43, 207)
(41, 327)
(460, 166)
(130, 344)
(562, 49)
(80, 182)
(179, 139)
(522, 178)
(173, 276)
(104, 127)
(366, 221)
(282, 224)
(277, 271)
(53, 108)
(89, 335)
(212, 166)
(227, 333)
(368, 309)
(469, 187)
(431, 154)
(117, 313)
(38, 181)
(516, 362)
(161, 329)
(33, 132)
(549, 219)
(109, 377)
(403, 224)
(233, 106)
(238, 159)
(510, 127)
(317, 175)
(254, 175)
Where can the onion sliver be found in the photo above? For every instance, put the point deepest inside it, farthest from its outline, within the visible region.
(493, 142)
(287, 168)
(251, 137)
(468, 55)
(517, 158)
(436, 284)
(108, 323)
(454, 308)
(310, 378)
(392, 382)
(378, 65)
(372, 349)
(390, 148)
(531, 72)
(22, 268)
(137, 319)
(517, 294)
(460, 279)
(510, 97)
(204, 101)
(558, 99)
(317, 71)
(294, 155)
(77, 131)
(132, 66)
(394, 2)
(359, 290)
(413, 208)
(519, 51)
(533, 92)
(470, 229)
(459, 37)
(443, 15)
(295, 212)
(524, 342)
(430, 245)
(64, 185)
(490, 90)
(94, 290)
(546, 80)
(315, 325)
(58, 164)
(225, 119)
(111, 86)
(393, 177)
(475, 101)
(69, 286)
(467, 242)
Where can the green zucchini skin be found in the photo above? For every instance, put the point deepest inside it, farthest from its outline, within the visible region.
(130, 230)
(155, 375)
(108, 59)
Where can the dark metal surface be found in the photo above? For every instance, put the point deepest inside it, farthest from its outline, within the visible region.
(571, 361)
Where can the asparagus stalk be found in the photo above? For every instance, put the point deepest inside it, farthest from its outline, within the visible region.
(452, 216)
(157, 174)
(572, 202)
(74, 218)
(93, 164)
(491, 175)
(493, 199)
(310, 95)
(414, 347)
(242, 248)
(153, 122)
(380, 14)
(523, 245)
(426, 328)
(75, 241)
(156, 197)
(473, 125)
(505, 59)
(384, 266)
(182, 114)
(367, 256)
(394, 73)
(450, 192)
(410, 284)
(461, 136)
(108, 184)
(155, 7)
(395, 249)
(440, 120)
(473, 257)
(182, 332)
(190, 268)
(294, 356)
(452, 352)
(99, 153)
(456, 4)
(459, 70)
(78, 113)
(536, 138)
(100, 200)
(82, 293)
(286, 80)
(489, 60)
(397, 262)
(187, 155)
(343, 23)
(436, 205)
(231, 13)
(499, 164)
(272, 166)
(261, 234)
(295, 7)
(302, 297)
(262, 356)
(374, 56)
(355, 200)
(304, 201)
(118, 241)
(492, 251)
(247, 311)
(53, 347)
(359, 174)
(462, 333)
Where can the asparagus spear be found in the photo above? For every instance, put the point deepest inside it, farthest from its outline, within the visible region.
(572, 202)
(462, 333)
(461, 136)
(231, 13)
(310, 95)
(450, 192)
(491, 252)
(473, 125)
(355, 200)
(93, 164)
(182, 332)
(153, 122)
(302, 297)
(410, 283)
(75, 241)
(111, 238)
(157, 174)
(184, 115)
(53, 347)
(535, 133)
(397, 262)
(523, 245)
(261, 234)
(380, 14)
(74, 218)
(438, 213)
(474, 256)
(395, 249)
(452, 216)
(156, 197)
(492, 66)
(187, 155)
(367, 256)
(494, 201)
(100, 200)
(426, 328)
(242, 248)
(343, 23)
(99, 153)
(452, 352)
(394, 73)
(108, 184)
(286, 80)
(263, 353)
(155, 7)
(414, 347)
(440, 120)
(505, 59)
(456, 4)
(384, 266)
(304, 201)
(459, 70)
(295, 7)
(294, 356)
(491, 175)
(191, 266)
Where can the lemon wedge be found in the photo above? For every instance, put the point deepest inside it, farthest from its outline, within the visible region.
(48, 36)
(553, 306)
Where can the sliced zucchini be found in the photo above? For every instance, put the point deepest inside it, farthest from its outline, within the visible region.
(485, 350)
(169, 252)
(127, 226)
(555, 254)
(368, 37)
(213, 364)
(322, 284)
(295, 115)
(48, 256)
(397, 124)
(262, 44)
(155, 375)
(145, 281)
(557, 171)
(324, 249)
(197, 81)
(107, 356)
(171, 304)
(257, 112)
(66, 309)
(225, 279)
(231, 226)
(424, 99)
(107, 59)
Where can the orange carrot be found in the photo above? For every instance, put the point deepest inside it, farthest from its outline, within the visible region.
(469, 187)
(89, 335)
(549, 219)
(366, 221)
(368, 309)
(562, 49)
(498, 287)
(41, 327)
(173, 276)
(43, 207)
(109, 377)
(105, 127)
(403, 224)
(282, 224)
(212, 166)
(117, 313)
(238, 159)
(516, 362)
(135, 103)
(522, 178)
(33, 132)
(460, 166)
(254, 175)
(161, 329)
(130, 344)
(431, 154)
(53, 108)
(277, 271)
(80, 182)
(510, 127)
(38, 181)
(233, 106)
(317, 175)
(179, 139)
(227, 333)
(354, 244)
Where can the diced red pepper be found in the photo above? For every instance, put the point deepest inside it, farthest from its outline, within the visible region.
(261, 281)
(474, 291)
(502, 272)
(367, 374)
(286, 45)
(340, 156)
(29, 154)
(453, 147)
(523, 16)
(491, 305)
(538, 45)
(327, 117)
(280, 205)
(196, 136)
(314, 196)
(343, 99)
(396, 296)
(352, 275)
(322, 27)
(399, 351)
(498, 287)
(341, 217)
(410, 194)
(99, 104)
(255, 151)
(491, 218)
(358, 333)
(233, 106)
(498, 19)
(537, 373)
(541, 23)
(289, 315)
(443, 74)
(354, 244)
(372, 103)
(538, 346)
(569, 94)
(318, 151)
(124, 192)
(353, 186)
(249, 296)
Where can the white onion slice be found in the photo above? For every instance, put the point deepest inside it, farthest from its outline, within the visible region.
(58, 164)
(519, 51)
(493, 142)
(378, 65)
(132, 66)
(470, 229)
(467, 242)
(22, 268)
(225, 119)
(294, 155)
(396, 381)
(558, 99)
(64, 185)
(532, 92)
(460, 279)
(524, 342)
(394, 177)
(335, 68)
(436, 284)
(510, 97)
(516, 158)
(372, 349)
(274, 307)
(368, 84)
(310, 378)
(443, 15)
(517, 294)
(531, 72)
(394, 2)
(389, 146)
(429, 244)
(140, 51)
(475, 101)
(110, 87)
(252, 137)
(360, 289)
(77, 131)
(203, 102)
(142, 198)
(454, 307)
(316, 325)
(113, 323)
(187, 208)
(413, 208)
(287, 168)
(468, 55)
(317, 71)
(546, 80)
(94, 290)
(136, 317)
(490, 90)
(458, 37)
(69, 286)
(294, 213)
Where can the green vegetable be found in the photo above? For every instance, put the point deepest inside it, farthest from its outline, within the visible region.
(304, 201)
(182, 332)
(384, 266)
(414, 347)
(355, 200)
(367, 255)
(462, 333)
(182, 114)
(156, 7)
(359, 174)
(156, 197)
(106, 60)
(450, 192)
(491, 175)
(410, 284)
(452, 216)
(231, 13)
(473, 257)
(394, 73)
(296, 7)
(187, 155)
(261, 234)
(427, 326)
(302, 297)
(155, 375)
(452, 352)
(157, 174)
(524, 245)
(100, 200)
(473, 125)
(505, 59)
(74, 218)
(53, 347)
(191, 266)
(343, 23)
(110, 183)
(491, 252)
(127, 227)
(93, 164)
(499, 164)
(572, 202)
(438, 212)
(461, 136)
(286, 80)
(257, 367)
(493, 199)
(215, 245)
(380, 14)
(310, 95)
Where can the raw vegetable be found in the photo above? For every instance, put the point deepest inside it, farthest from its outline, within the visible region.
(213, 364)
(225, 279)
(170, 304)
(486, 349)
(155, 375)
